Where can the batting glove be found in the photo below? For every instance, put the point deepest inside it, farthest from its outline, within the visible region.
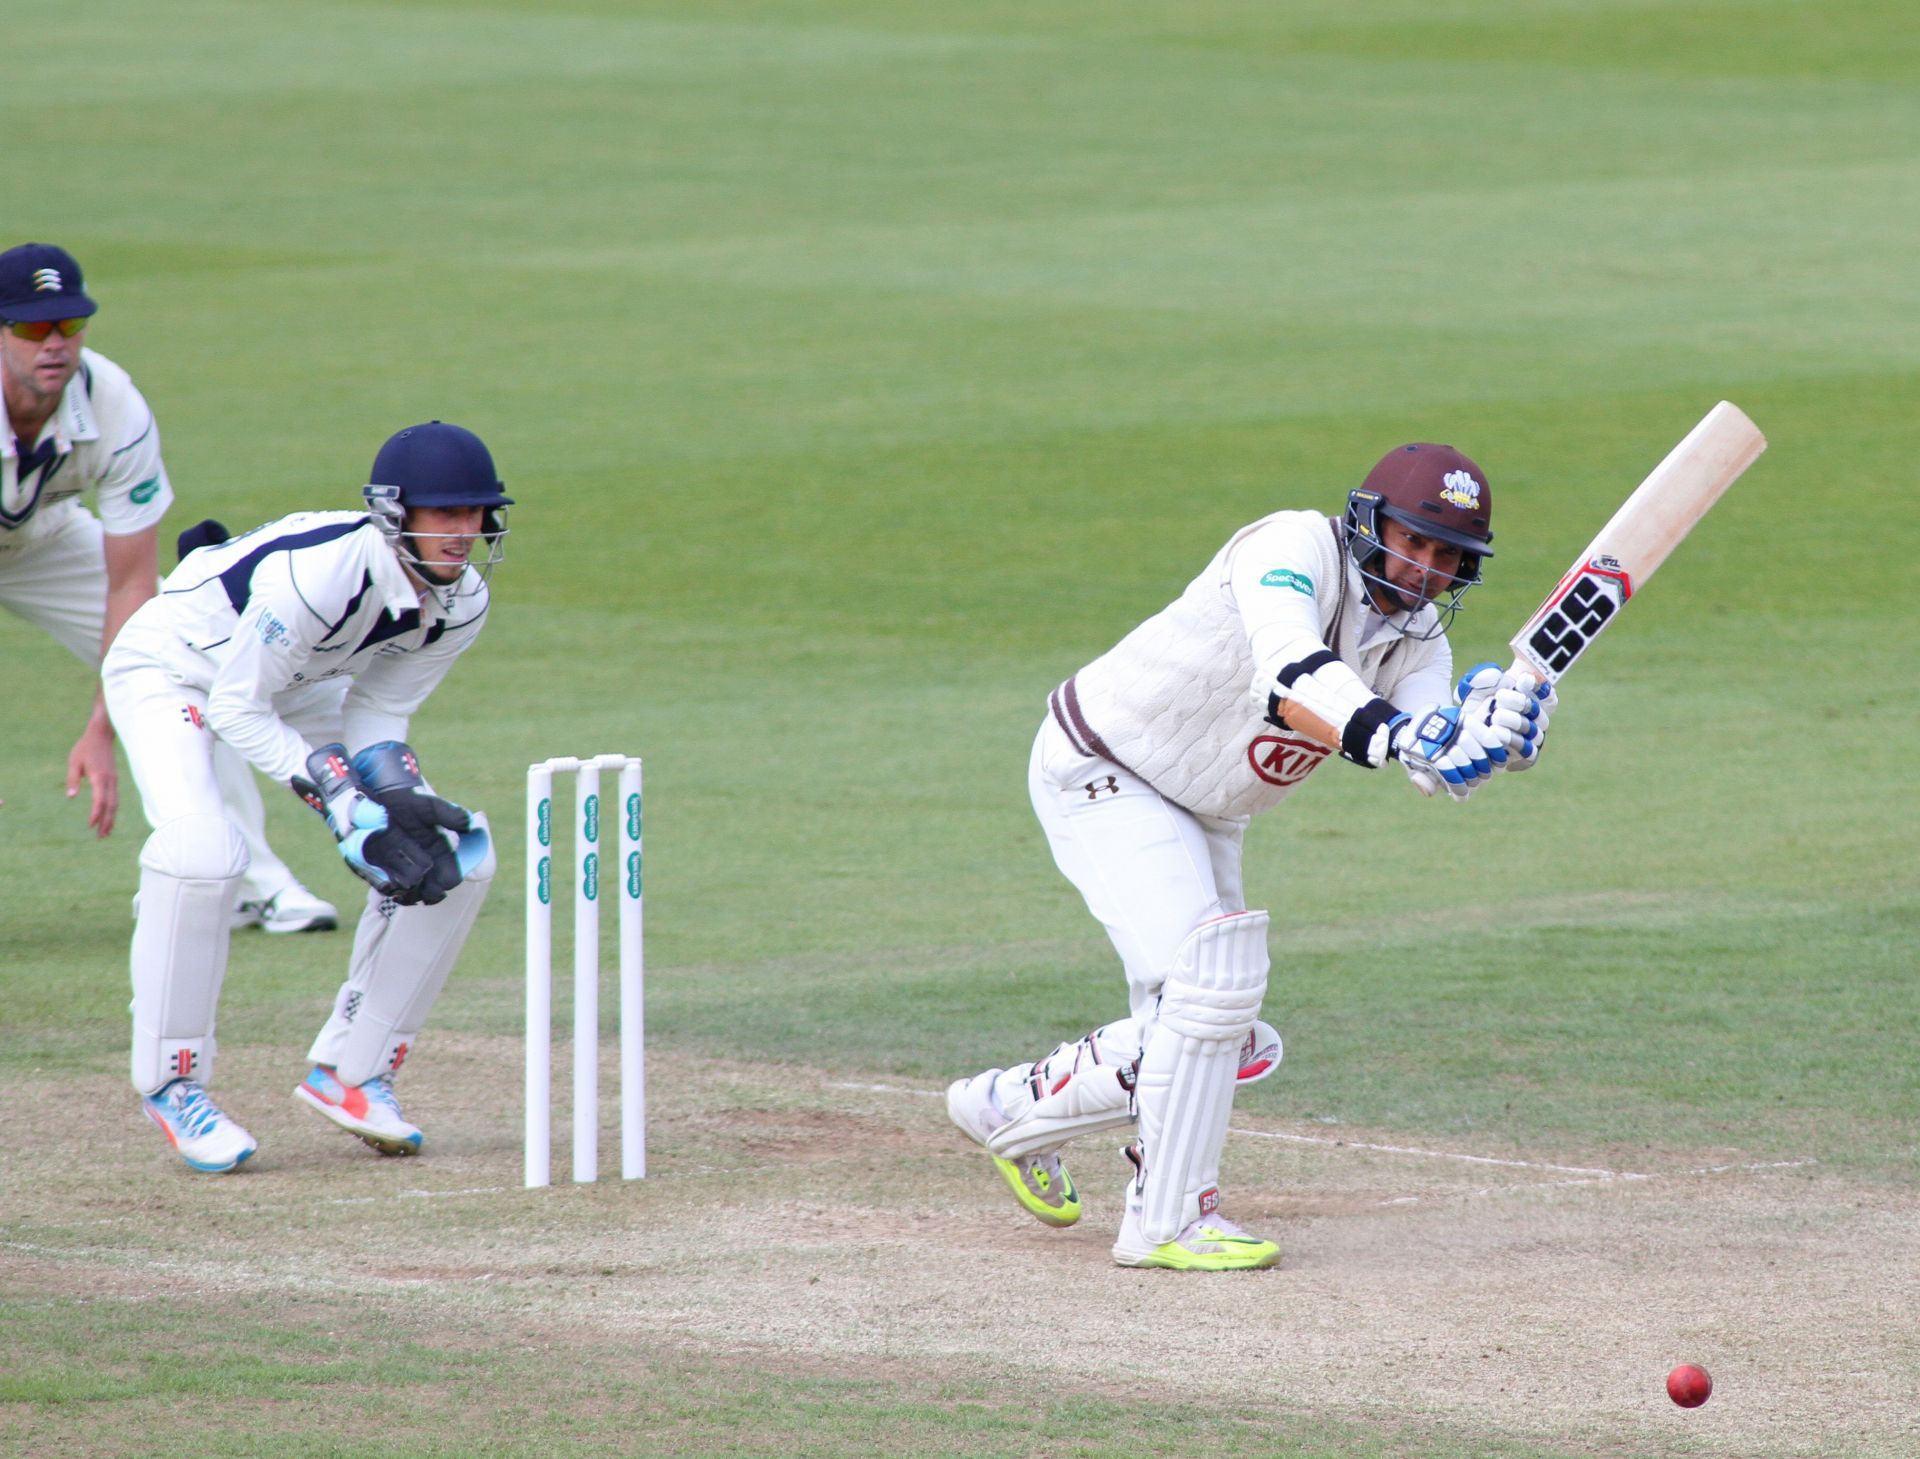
(1538, 701)
(1505, 720)
(1438, 755)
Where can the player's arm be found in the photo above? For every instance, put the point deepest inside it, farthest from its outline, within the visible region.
(375, 716)
(133, 576)
(389, 691)
(1279, 576)
(272, 645)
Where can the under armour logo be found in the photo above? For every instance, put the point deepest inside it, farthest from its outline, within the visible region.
(46, 281)
(1093, 788)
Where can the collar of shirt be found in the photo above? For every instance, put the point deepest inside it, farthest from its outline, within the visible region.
(399, 591)
(73, 419)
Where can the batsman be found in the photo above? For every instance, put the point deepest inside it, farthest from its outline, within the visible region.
(247, 643)
(1306, 636)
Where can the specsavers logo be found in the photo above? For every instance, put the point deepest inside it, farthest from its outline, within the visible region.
(1281, 577)
(1459, 488)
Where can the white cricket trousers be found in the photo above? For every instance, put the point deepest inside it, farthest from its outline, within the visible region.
(179, 955)
(59, 583)
(1150, 870)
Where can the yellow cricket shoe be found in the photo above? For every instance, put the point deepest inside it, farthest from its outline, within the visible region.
(1210, 1244)
(1040, 1183)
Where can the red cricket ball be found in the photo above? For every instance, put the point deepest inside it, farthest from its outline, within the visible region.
(1689, 1385)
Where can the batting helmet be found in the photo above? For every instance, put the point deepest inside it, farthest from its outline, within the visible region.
(436, 465)
(439, 465)
(1435, 491)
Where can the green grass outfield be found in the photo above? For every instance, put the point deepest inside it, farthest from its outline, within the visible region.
(864, 368)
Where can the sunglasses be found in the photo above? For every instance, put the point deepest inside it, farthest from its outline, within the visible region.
(38, 329)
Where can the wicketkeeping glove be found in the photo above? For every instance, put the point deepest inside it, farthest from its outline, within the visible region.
(387, 859)
(1438, 754)
(390, 772)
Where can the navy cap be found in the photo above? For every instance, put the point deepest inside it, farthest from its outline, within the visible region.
(42, 281)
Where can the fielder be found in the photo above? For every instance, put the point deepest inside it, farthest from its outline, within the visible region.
(1152, 760)
(71, 420)
(248, 643)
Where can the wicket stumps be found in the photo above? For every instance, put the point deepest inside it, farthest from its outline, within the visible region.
(586, 969)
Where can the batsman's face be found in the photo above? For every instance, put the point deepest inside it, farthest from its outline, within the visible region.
(1420, 568)
(443, 539)
(38, 370)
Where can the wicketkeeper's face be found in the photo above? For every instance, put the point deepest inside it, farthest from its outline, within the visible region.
(443, 538)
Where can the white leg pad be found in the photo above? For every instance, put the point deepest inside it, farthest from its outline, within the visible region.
(401, 958)
(1185, 1090)
(1079, 1088)
(190, 869)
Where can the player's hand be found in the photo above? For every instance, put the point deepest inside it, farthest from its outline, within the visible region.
(388, 860)
(1538, 701)
(1505, 718)
(91, 759)
(1438, 754)
(390, 771)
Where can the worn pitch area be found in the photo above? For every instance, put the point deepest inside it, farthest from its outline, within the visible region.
(807, 1222)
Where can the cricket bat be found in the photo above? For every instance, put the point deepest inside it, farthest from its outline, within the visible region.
(1636, 540)
(1628, 550)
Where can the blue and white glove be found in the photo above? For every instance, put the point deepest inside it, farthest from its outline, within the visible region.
(1524, 692)
(1504, 712)
(1439, 753)
(390, 774)
(384, 857)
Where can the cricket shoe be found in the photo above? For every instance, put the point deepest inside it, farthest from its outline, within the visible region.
(193, 1124)
(1211, 1243)
(291, 909)
(1040, 1183)
(368, 1110)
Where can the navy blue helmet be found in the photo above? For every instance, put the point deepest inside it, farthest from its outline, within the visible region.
(436, 465)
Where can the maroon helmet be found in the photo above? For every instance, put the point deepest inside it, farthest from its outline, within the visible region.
(1435, 491)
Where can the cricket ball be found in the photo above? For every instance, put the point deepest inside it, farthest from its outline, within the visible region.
(1689, 1385)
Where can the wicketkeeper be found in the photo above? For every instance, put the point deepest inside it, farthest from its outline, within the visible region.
(246, 644)
(1148, 767)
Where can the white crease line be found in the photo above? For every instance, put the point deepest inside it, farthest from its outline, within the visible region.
(1593, 1174)
(1500, 1190)
(1439, 1154)
(472, 1190)
(274, 1207)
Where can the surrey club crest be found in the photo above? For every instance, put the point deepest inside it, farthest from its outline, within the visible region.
(1461, 490)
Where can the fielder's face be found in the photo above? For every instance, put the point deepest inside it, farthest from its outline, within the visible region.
(442, 539)
(1419, 567)
(37, 371)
